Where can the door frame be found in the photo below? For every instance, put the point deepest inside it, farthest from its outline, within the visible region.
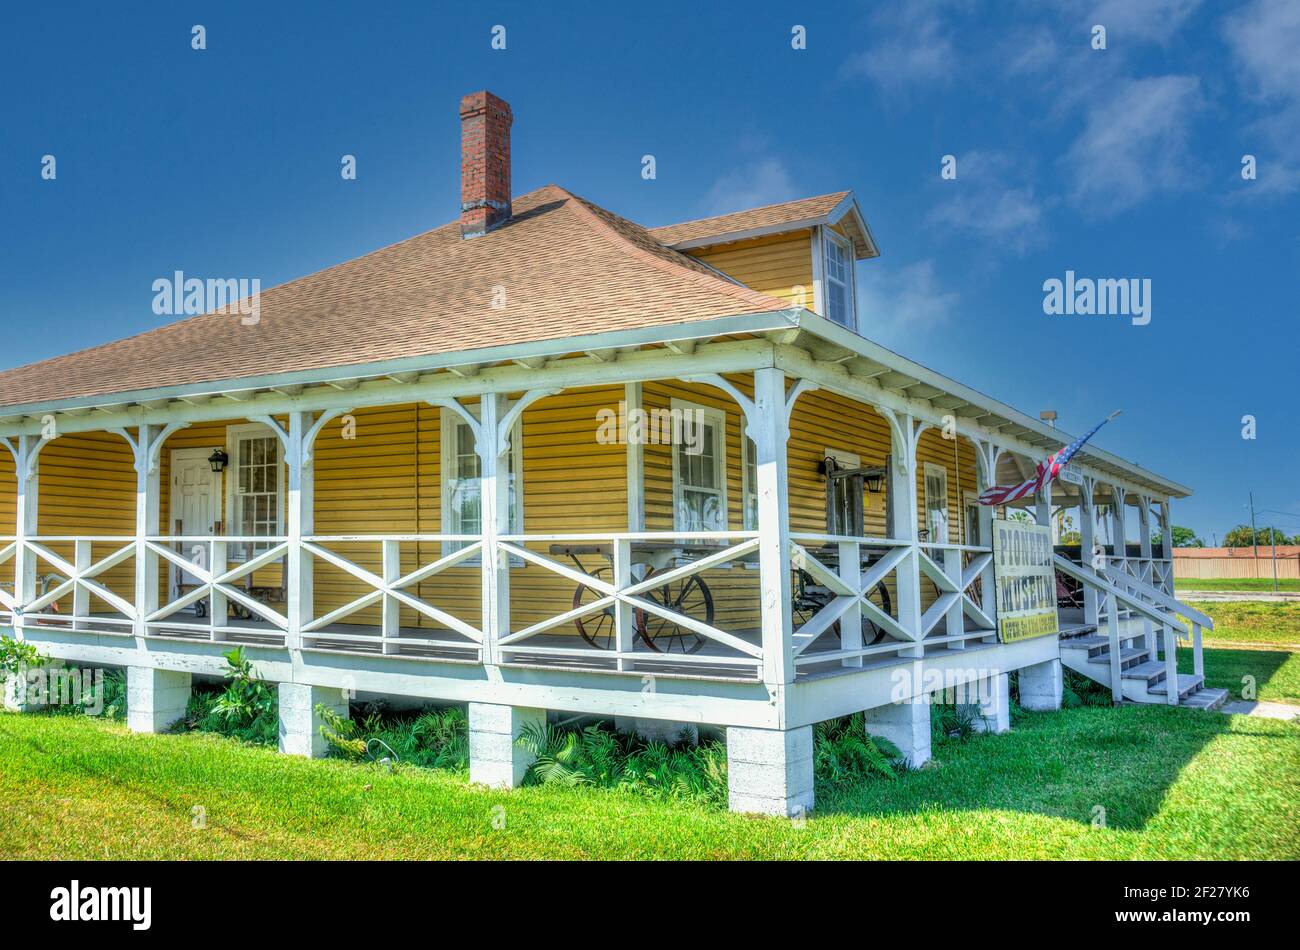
(173, 506)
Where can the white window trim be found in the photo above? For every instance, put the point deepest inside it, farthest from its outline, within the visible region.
(820, 276)
(447, 421)
(718, 418)
(747, 489)
(231, 522)
(934, 468)
(969, 499)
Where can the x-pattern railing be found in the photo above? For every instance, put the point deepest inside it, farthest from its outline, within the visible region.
(851, 589)
(214, 579)
(625, 594)
(78, 577)
(391, 589)
(953, 580)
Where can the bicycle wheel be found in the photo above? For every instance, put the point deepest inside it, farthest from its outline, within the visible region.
(873, 633)
(596, 628)
(687, 596)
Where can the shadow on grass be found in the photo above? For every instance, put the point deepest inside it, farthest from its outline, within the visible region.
(1064, 764)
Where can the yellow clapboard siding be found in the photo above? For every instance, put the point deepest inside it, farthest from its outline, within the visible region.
(776, 265)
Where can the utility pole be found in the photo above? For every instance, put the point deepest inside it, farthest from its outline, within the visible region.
(1274, 536)
(1254, 535)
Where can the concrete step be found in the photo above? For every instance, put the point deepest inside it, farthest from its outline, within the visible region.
(1187, 684)
(1153, 671)
(1205, 698)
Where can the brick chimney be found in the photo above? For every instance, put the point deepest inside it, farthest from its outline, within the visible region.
(484, 163)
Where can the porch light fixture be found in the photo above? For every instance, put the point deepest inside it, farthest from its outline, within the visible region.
(218, 460)
(872, 478)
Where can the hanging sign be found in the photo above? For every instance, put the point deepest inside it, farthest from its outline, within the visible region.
(1025, 580)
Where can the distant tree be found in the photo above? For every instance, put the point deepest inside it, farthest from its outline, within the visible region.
(1241, 537)
(1071, 537)
(1186, 538)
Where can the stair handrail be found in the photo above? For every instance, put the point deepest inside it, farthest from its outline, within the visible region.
(1172, 628)
(1086, 576)
(1172, 604)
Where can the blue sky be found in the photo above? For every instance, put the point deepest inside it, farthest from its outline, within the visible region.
(1116, 163)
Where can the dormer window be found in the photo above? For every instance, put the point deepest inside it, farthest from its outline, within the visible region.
(837, 273)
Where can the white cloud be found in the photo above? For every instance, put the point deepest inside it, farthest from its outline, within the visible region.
(763, 182)
(1265, 42)
(909, 299)
(1134, 143)
(991, 197)
(914, 48)
(1154, 20)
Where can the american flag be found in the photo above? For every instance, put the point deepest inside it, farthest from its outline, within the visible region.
(1044, 472)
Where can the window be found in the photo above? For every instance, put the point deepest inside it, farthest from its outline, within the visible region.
(750, 494)
(837, 279)
(700, 469)
(936, 503)
(972, 505)
(462, 508)
(255, 486)
(844, 497)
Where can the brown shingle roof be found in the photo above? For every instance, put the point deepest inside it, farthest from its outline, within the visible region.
(567, 268)
(787, 212)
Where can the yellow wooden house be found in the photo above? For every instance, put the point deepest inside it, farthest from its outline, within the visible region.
(544, 459)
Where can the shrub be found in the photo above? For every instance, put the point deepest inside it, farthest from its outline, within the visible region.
(599, 756)
(844, 754)
(246, 708)
(434, 738)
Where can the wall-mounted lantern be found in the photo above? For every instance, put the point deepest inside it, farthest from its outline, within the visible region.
(218, 460)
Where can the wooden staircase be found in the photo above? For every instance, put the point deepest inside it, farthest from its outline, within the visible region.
(1143, 677)
(1125, 654)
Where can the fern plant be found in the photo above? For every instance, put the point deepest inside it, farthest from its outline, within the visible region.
(844, 753)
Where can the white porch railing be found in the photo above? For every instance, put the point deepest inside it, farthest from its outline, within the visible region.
(56, 577)
(625, 607)
(394, 588)
(637, 587)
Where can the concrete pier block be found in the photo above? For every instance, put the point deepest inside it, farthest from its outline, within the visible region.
(155, 699)
(770, 771)
(494, 758)
(1041, 685)
(994, 704)
(906, 725)
(299, 722)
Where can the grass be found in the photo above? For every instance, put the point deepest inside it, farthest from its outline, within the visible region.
(1173, 783)
(1251, 639)
(1240, 583)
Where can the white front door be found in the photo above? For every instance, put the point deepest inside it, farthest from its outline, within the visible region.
(196, 495)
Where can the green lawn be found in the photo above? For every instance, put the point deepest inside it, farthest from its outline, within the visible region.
(1240, 583)
(1174, 783)
(1252, 622)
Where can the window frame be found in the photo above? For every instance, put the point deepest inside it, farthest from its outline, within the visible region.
(718, 418)
(448, 421)
(748, 485)
(844, 459)
(233, 522)
(934, 468)
(850, 287)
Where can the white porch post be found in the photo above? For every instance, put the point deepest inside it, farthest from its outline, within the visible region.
(300, 522)
(1119, 549)
(987, 453)
(1167, 547)
(635, 462)
(770, 434)
(1087, 542)
(494, 503)
(1147, 572)
(903, 509)
(148, 494)
(27, 503)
